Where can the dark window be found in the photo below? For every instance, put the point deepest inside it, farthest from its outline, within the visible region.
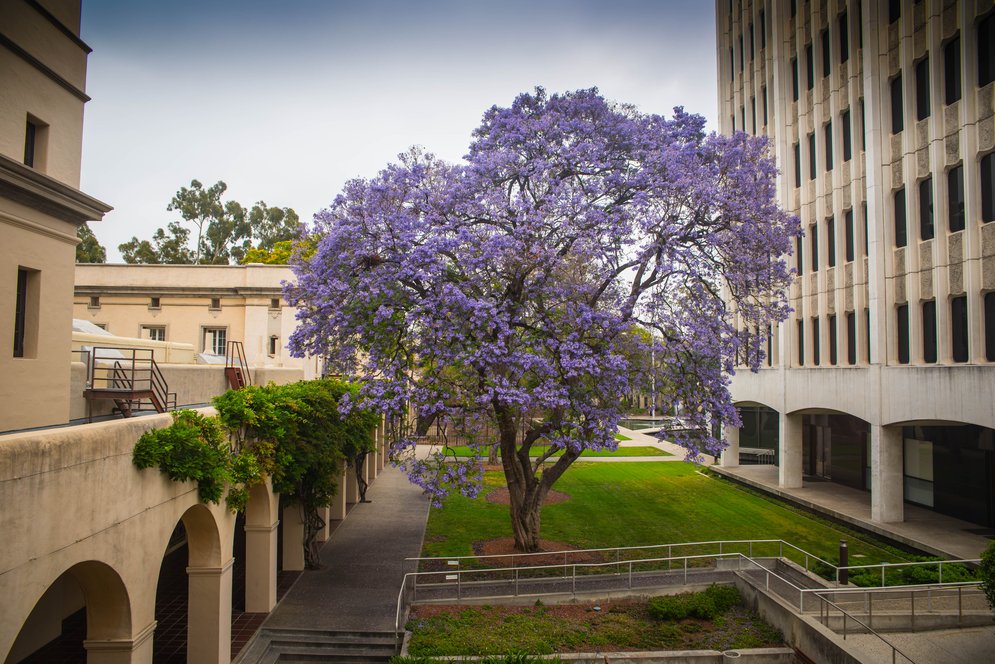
(753, 109)
(770, 345)
(751, 42)
(20, 312)
(986, 51)
(867, 234)
(763, 29)
(798, 165)
(94, 301)
(987, 188)
(844, 38)
(273, 345)
(922, 89)
(926, 209)
(811, 156)
(833, 357)
(801, 343)
(847, 136)
(154, 303)
(951, 70)
(215, 303)
(814, 235)
(955, 198)
(863, 126)
(867, 332)
(30, 138)
(799, 261)
(274, 303)
(897, 116)
(732, 66)
(741, 58)
(831, 240)
(825, 53)
(794, 79)
(894, 10)
(810, 65)
(815, 342)
(860, 24)
(990, 327)
(901, 237)
(763, 92)
(929, 331)
(958, 328)
(742, 117)
(903, 334)
(794, 8)
(732, 121)
(851, 338)
(829, 145)
(848, 231)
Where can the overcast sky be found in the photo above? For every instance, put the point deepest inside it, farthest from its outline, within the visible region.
(286, 101)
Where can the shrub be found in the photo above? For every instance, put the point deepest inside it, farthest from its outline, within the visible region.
(986, 572)
(707, 605)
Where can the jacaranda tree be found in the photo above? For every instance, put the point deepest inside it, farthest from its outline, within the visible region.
(500, 292)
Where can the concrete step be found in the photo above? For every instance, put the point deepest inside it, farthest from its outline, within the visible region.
(290, 646)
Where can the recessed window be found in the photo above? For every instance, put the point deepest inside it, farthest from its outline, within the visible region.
(753, 108)
(988, 188)
(951, 70)
(215, 340)
(955, 198)
(763, 93)
(986, 50)
(799, 262)
(867, 332)
(794, 79)
(813, 234)
(215, 303)
(732, 65)
(848, 235)
(958, 328)
(847, 141)
(154, 303)
(798, 165)
(274, 303)
(94, 302)
(863, 126)
(929, 331)
(926, 231)
(763, 29)
(801, 343)
(903, 333)
(815, 342)
(825, 53)
(844, 38)
(35, 143)
(770, 345)
(922, 89)
(741, 58)
(274, 345)
(851, 338)
(894, 10)
(810, 65)
(811, 156)
(828, 131)
(831, 240)
(742, 117)
(867, 230)
(154, 332)
(20, 312)
(794, 8)
(901, 236)
(833, 356)
(990, 327)
(897, 114)
(751, 42)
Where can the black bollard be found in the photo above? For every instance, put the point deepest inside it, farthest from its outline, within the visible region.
(844, 562)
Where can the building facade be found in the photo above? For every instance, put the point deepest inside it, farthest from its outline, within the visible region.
(42, 94)
(881, 117)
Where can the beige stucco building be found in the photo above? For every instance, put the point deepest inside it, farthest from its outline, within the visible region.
(880, 116)
(42, 94)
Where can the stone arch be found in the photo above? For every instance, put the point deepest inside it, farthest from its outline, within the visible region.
(262, 507)
(203, 537)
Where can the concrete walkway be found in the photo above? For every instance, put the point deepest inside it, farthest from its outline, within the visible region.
(363, 563)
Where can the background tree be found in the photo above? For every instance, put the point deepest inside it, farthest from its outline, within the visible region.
(501, 291)
(165, 248)
(89, 250)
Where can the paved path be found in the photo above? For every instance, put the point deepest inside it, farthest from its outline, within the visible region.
(363, 563)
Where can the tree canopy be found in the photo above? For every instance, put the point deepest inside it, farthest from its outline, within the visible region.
(89, 249)
(225, 230)
(502, 292)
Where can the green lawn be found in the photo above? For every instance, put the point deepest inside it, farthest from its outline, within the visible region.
(629, 504)
(640, 451)
(619, 436)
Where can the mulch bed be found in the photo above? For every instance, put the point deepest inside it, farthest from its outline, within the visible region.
(506, 545)
(502, 496)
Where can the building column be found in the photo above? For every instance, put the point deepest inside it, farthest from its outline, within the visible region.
(789, 472)
(260, 568)
(351, 485)
(382, 444)
(370, 467)
(322, 535)
(887, 470)
(209, 614)
(337, 509)
(136, 650)
(730, 455)
(293, 538)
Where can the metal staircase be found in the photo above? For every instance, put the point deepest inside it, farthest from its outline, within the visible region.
(236, 369)
(130, 378)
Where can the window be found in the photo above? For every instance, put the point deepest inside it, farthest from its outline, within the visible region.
(94, 302)
(955, 198)
(20, 312)
(274, 345)
(732, 65)
(815, 341)
(844, 38)
(763, 93)
(813, 233)
(30, 135)
(274, 303)
(828, 129)
(751, 42)
(831, 240)
(901, 238)
(825, 53)
(958, 328)
(753, 108)
(798, 165)
(851, 338)
(867, 230)
(863, 126)
(926, 209)
(951, 70)
(833, 357)
(741, 58)
(800, 263)
(763, 29)
(894, 10)
(987, 188)
(929, 331)
(154, 303)
(35, 143)
(215, 303)
(860, 25)
(794, 8)
(801, 343)
(847, 141)
(897, 116)
(986, 50)
(990, 327)
(742, 117)
(215, 340)
(903, 333)
(794, 79)
(867, 332)
(154, 332)
(770, 345)
(848, 233)
(811, 156)
(922, 89)
(810, 65)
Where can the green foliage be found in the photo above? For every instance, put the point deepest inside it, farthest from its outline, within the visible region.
(164, 249)
(705, 605)
(89, 250)
(511, 658)
(986, 571)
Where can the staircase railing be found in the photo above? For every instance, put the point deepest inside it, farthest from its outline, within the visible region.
(236, 368)
(129, 377)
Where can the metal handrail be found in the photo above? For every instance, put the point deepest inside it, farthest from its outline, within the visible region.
(885, 566)
(846, 614)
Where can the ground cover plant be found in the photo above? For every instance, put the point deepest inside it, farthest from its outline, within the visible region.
(716, 621)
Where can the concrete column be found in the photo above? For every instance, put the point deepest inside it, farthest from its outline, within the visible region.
(789, 472)
(322, 535)
(370, 467)
(351, 486)
(136, 650)
(209, 614)
(730, 455)
(260, 568)
(382, 444)
(293, 538)
(887, 469)
(338, 507)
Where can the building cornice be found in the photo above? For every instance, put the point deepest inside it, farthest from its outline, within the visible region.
(41, 192)
(59, 25)
(11, 46)
(165, 291)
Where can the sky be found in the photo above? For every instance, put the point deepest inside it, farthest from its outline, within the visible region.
(287, 101)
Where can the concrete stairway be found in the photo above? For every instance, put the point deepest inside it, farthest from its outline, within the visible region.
(300, 646)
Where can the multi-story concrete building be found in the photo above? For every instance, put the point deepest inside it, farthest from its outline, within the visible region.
(881, 116)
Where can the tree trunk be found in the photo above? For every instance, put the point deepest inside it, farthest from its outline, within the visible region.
(525, 518)
(313, 524)
(493, 453)
(360, 479)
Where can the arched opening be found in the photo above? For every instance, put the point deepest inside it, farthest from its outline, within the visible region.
(758, 435)
(836, 447)
(86, 602)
